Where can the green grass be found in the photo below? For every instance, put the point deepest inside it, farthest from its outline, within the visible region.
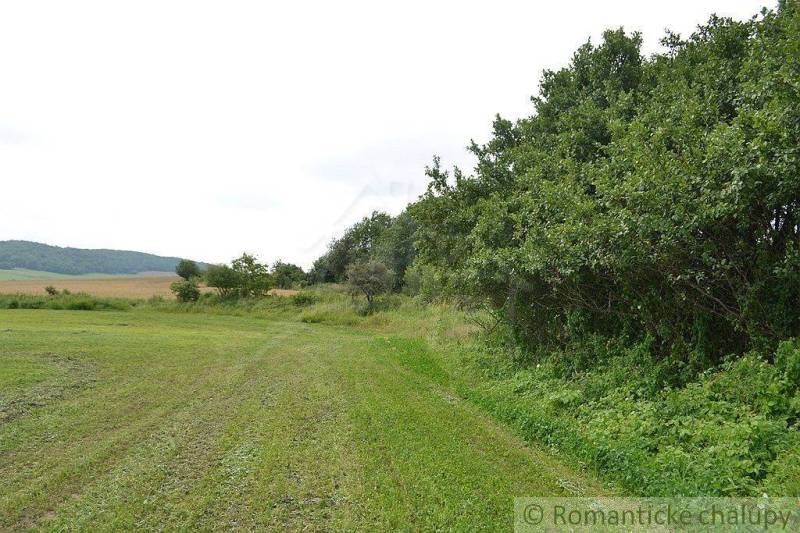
(206, 420)
(732, 430)
(21, 274)
(67, 301)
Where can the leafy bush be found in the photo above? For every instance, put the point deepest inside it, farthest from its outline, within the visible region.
(732, 431)
(303, 299)
(287, 275)
(186, 290)
(395, 247)
(245, 278)
(73, 302)
(647, 198)
(412, 281)
(370, 279)
(50, 290)
(223, 278)
(378, 237)
(355, 246)
(187, 269)
(252, 277)
(787, 359)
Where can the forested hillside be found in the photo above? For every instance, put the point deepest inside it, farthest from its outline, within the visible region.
(37, 256)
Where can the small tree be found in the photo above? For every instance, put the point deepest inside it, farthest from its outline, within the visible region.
(253, 277)
(187, 269)
(370, 279)
(286, 275)
(186, 290)
(50, 290)
(224, 279)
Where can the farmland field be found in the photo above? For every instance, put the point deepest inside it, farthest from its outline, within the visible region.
(141, 286)
(117, 286)
(156, 419)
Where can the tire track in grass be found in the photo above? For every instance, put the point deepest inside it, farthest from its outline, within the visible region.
(250, 424)
(297, 464)
(54, 470)
(157, 480)
(437, 461)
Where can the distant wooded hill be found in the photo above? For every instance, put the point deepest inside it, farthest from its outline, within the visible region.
(37, 256)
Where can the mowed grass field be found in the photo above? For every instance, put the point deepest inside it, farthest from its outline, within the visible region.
(165, 420)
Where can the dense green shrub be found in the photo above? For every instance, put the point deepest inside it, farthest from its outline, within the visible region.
(187, 269)
(357, 245)
(647, 199)
(223, 279)
(252, 277)
(64, 301)
(378, 237)
(244, 278)
(287, 275)
(787, 359)
(185, 290)
(395, 247)
(303, 299)
(369, 279)
(732, 431)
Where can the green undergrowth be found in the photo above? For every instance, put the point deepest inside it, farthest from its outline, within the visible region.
(650, 427)
(65, 301)
(733, 430)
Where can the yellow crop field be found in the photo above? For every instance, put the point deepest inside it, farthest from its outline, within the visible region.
(118, 287)
(133, 287)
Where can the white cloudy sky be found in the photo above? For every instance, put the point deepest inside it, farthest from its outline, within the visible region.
(204, 129)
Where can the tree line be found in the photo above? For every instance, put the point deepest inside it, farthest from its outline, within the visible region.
(647, 199)
(245, 277)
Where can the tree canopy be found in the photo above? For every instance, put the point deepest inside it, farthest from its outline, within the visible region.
(187, 269)
(652, 198)
(245, 277)
(370, 278)
(287, 275)
(378, 237)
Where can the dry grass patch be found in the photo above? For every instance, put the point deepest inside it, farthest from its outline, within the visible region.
(120, 287)
(283, 292)
(134, 287)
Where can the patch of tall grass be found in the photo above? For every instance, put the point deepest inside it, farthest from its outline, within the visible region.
(64, 301)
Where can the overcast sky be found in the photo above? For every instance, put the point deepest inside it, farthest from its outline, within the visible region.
(204, 129)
